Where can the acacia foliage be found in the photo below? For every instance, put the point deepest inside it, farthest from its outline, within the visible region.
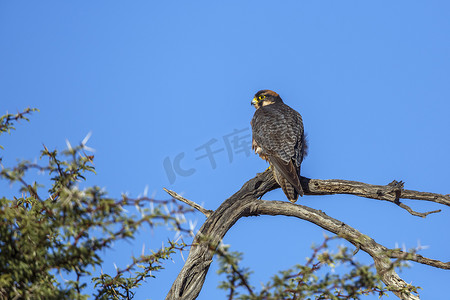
(52, 236)
(326, 274)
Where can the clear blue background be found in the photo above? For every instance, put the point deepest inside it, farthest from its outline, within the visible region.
(154, 79)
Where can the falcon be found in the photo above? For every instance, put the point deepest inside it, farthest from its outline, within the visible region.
(278, 137)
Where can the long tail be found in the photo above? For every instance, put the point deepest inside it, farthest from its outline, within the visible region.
(288, 189)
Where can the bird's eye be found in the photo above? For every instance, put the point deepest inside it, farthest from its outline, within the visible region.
(261, 97)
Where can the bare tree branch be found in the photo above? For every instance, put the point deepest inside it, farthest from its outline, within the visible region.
(419, 258)
(198, 207)
(392, 192)
(245, 203)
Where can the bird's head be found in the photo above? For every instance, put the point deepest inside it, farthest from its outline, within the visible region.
(265, 97)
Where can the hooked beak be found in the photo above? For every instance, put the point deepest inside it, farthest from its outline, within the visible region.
(254, 101)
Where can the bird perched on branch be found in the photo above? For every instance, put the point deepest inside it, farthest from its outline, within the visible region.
(278, 137)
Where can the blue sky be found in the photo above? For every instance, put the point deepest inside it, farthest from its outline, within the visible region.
(152, 80)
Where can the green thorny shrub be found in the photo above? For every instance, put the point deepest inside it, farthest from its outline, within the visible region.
(50, 234)
(325, 275)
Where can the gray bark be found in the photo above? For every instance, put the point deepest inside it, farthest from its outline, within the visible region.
(246, 202)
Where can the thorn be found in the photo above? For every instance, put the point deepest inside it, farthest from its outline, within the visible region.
(86, 138)
(146, 190)
(69, 146)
